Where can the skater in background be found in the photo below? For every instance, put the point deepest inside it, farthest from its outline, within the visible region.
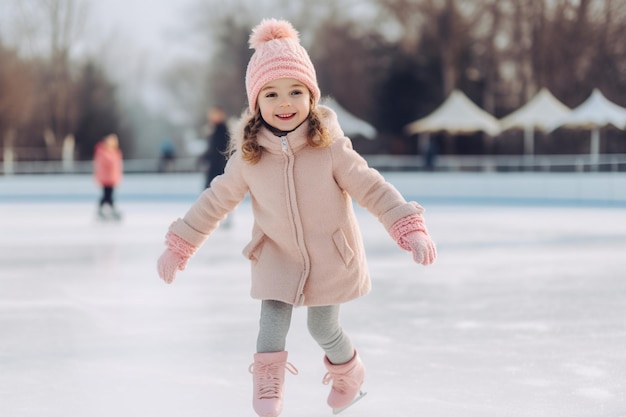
(291, 156)
(217, 148)
(217, 143)
(168, 155)
(108, 172)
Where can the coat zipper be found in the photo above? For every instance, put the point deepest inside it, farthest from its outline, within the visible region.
(300, 295)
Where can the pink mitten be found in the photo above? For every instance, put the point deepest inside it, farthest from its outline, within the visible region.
(422, 246)
(411, 235)
(175, 257)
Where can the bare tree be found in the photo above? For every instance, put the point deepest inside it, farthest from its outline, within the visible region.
(95, 95)
(47, 30)
(17, 96)
(349, 64)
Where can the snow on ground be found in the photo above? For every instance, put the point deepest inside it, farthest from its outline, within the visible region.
(522, 315)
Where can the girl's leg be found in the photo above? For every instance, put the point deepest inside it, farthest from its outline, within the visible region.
(108, 195)
(323, 324)
(270, 361)
(345, 369)
(273, 326)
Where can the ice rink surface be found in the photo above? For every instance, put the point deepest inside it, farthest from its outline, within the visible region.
(523, 315)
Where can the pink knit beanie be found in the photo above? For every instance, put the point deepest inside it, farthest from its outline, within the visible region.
(278, 54)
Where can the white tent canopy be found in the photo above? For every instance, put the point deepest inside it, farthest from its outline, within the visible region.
(350, 124)
(457, 115)
(538, 114)
(594, 113)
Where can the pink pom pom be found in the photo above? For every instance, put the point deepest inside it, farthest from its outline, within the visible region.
(270, 29)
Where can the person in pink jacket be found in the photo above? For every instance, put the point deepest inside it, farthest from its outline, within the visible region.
(291, 157)
(108, 172)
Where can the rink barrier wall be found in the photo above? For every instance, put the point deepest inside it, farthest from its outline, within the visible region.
(608, 189)
(444, 163)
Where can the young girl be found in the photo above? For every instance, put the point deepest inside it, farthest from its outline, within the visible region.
(301, 173)
(108, 172)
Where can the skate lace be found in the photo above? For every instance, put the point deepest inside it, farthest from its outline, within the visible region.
(267, 377)
(340, 382)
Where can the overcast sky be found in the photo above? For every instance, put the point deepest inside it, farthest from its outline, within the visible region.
(150, 24)
(142, 39)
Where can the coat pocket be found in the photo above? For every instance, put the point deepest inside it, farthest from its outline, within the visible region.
(342, 245)
(252, 250)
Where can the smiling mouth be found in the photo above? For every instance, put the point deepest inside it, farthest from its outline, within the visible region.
(285, 116)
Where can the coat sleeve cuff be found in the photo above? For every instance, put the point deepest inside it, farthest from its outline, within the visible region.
(392, 216)
(191, 235)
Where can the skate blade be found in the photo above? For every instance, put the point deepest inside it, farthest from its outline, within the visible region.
(357, 398)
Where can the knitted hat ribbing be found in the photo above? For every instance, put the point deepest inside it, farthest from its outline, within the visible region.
(278, 54)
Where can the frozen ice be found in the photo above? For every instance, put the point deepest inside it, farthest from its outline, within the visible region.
(523, 315)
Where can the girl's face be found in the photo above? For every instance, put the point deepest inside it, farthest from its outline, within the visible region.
(111, 141)
(284, 103)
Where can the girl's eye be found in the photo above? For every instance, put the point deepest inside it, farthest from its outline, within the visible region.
(270, 95)
(296, 93)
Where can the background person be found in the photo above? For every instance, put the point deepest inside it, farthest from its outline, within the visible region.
(108, 172)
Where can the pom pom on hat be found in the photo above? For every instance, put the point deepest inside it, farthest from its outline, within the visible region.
(270, 29)
(278, 54)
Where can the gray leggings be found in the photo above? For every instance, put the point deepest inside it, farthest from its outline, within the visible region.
(322, 322)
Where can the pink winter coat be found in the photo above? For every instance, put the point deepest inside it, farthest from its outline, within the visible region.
(107, 165)
(306, 247)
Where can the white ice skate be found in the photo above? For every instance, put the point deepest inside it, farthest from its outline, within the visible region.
(108, 213)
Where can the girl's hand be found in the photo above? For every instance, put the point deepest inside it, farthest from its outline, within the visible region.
(169, 263)
(411, 235)
(422, 246)
(175, 257)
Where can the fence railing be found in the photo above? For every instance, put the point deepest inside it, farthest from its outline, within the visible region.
(452, 163)
(504, 163)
